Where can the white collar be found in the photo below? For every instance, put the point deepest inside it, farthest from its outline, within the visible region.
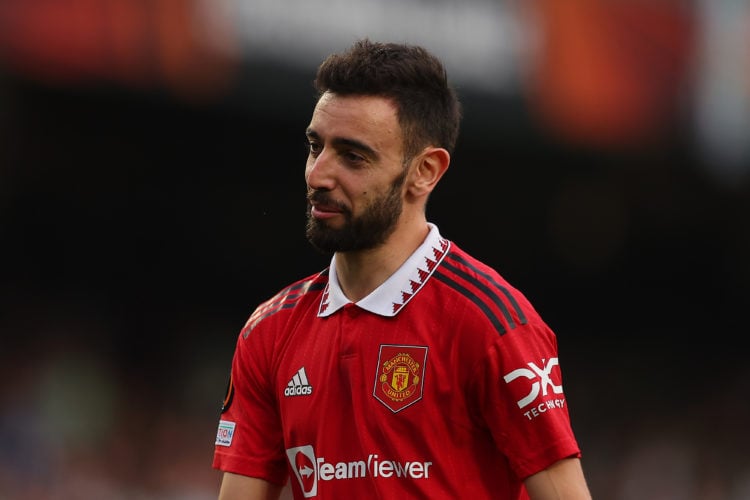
(390, 297)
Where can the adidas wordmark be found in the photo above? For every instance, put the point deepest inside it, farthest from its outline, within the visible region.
(298, 386)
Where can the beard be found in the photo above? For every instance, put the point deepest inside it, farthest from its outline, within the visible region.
(363, 232)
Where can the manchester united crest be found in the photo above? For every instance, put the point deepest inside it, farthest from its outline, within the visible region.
(400, 375)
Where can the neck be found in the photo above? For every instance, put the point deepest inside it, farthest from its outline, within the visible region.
(361, 272)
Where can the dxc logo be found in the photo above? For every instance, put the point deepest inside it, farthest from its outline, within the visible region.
(532, 373)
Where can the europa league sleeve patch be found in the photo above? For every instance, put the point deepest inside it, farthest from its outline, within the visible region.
(225, 433)
(228, 396)
(399, 379)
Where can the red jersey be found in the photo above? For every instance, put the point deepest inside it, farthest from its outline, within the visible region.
(444, 382)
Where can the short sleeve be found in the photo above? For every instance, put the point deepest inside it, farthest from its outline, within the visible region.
(249, 438)
(519, 392)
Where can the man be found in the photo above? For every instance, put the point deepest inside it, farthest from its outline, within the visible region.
(407, 368)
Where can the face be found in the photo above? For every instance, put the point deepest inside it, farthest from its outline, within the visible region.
(355, 173)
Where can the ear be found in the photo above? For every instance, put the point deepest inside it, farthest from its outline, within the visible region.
(429, 167)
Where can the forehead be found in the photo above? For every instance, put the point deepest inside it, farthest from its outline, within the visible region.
(369, 118)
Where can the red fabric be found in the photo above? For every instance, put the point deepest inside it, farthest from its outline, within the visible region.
(465, 437)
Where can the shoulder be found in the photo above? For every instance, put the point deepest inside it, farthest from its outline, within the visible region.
(287, 299)
(475, 282)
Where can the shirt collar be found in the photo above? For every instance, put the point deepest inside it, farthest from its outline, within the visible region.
(393, 294)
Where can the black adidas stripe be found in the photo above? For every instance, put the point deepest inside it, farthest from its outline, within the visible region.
(492, 295)
(472, 297)
(273, 311)
(285, 300)
(294, 292)
(496, 285)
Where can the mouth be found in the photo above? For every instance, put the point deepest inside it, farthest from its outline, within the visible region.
(323, 212)
(322, 207)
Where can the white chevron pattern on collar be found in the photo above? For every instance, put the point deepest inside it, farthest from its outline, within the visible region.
(391, 296)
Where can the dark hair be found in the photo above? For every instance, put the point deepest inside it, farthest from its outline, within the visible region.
(429, 111)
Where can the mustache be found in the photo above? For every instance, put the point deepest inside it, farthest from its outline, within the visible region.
(323, 198)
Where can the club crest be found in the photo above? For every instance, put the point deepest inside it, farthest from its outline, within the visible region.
(400, 375)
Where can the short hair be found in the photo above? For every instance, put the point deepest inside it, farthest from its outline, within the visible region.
(429, 111)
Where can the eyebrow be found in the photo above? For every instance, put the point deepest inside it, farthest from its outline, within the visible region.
(344, 141)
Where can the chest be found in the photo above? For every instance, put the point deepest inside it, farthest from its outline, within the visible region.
(370, 375)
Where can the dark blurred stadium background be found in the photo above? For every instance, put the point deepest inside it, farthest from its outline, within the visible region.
(152, 193)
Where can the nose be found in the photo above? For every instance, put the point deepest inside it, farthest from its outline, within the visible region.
(319, 171)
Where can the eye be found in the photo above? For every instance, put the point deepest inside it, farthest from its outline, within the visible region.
(352, 157)
(313, 148)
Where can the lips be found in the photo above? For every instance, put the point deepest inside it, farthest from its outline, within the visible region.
(323, 207)
(323, 211)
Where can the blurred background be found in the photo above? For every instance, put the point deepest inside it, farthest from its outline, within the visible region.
(152, 193)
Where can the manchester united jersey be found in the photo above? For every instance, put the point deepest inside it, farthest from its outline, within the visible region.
(444, 382)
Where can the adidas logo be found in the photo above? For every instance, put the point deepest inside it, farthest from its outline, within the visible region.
(298, 386)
